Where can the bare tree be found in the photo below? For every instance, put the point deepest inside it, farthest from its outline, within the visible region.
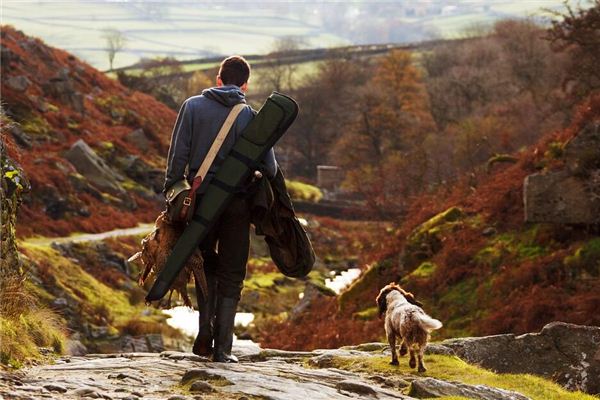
(280, 73)
(115, 41)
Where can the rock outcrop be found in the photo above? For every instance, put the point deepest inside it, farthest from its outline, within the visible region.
(571, 195)
(13, 184)
(431, 387)
(566, 353)
(62, 88)
(93, 168)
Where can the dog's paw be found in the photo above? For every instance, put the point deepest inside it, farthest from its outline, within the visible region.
(394, 362)
(422, 369)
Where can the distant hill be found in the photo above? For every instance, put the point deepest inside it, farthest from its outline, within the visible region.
(188, 30)
(50, 101)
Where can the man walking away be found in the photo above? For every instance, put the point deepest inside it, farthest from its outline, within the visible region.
(225, 250)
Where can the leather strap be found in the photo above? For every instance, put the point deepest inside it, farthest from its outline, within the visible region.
(190, 197)
(216, 146)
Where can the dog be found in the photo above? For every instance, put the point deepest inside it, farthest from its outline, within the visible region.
(405, 320)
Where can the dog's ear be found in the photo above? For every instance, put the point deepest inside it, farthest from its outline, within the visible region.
(382, 302)
(411, 299)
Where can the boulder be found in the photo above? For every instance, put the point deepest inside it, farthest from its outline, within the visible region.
(89, 164)
(22, 138)
(201, 387)
(356, 387)
(139, 139)
(56, 203)
(570, 195)
(431, 387)
(312, 294)
(62, 88)
(141, 172)
(582, 152)
(52, 387)
(426, 239)
(195, 374)
(19, 83)
(566, 353)
(75, 348)
(8, 56)
(559, 197)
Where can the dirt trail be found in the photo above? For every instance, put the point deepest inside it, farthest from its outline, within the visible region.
(90, 237)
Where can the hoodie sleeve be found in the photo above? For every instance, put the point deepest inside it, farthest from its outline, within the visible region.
(179, 149)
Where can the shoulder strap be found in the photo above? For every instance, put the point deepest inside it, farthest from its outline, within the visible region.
(216, 146)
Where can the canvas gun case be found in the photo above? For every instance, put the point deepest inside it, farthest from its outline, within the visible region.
(269, 124)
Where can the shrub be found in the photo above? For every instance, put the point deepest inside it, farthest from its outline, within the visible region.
(303, 191)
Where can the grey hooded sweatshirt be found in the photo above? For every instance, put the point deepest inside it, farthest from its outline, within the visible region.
(200, 119)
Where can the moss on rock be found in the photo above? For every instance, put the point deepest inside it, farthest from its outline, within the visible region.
(426, 239)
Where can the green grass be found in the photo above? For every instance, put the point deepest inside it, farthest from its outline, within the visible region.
(586, 257)
(36, 126)
(23, 336)
(97, 299)
(425, 270)
(264, 280)
(518, 245)
(367, 314)
(454, 369)
(26, 325)
(462, 299)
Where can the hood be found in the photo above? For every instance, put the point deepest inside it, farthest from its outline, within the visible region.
(228, 95)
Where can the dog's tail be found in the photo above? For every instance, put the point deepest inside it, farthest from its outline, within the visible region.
(428, 323)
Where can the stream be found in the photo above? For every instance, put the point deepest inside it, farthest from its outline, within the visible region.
(186, 319)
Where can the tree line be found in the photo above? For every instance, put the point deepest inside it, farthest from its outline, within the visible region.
(407, 122)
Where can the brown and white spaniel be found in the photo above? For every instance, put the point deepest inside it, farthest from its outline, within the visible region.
(405, 320)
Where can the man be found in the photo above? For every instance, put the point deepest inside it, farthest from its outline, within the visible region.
(225, 250)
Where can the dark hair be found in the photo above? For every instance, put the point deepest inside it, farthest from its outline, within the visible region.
(234, 70)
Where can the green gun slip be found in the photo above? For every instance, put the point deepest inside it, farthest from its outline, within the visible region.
(270, 123)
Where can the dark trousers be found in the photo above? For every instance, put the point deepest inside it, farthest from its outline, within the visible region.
(225, 249)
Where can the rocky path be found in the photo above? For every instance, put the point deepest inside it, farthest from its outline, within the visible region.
(262, 374)
(565, 353)
(178, 376)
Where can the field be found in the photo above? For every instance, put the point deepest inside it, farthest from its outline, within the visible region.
(192, 30)
(182, 31)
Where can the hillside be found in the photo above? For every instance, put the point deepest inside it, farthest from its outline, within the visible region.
(50, 101)
(468, 255)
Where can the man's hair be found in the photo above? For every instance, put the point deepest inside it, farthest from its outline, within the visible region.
(234, 70)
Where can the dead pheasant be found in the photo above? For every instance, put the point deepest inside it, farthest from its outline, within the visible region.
(156, 247)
